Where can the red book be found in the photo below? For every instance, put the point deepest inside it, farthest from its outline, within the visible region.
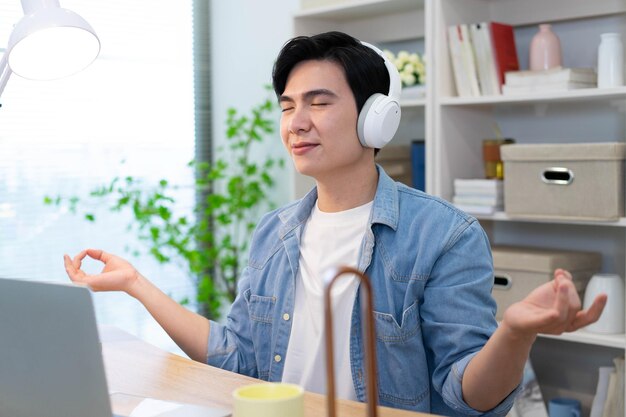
(504, 51)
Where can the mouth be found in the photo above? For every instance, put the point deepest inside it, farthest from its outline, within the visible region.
(300, 148)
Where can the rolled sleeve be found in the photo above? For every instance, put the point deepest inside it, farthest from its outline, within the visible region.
(452, 393)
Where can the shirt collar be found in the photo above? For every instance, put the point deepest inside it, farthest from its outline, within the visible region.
(384, 211)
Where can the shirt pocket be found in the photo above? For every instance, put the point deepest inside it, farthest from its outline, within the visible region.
(402, 366)
(261, 312)
(261, 309)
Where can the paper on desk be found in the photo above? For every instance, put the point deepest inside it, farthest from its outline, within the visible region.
(152, 408)
(157, 408)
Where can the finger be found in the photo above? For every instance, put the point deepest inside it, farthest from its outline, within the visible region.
(69, 267)
(592, 314)
(560, 272)
(71, 270)
(561, 304)
(99, 255)
(78, 259)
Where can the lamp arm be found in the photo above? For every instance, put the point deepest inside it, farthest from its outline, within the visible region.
(5, 71)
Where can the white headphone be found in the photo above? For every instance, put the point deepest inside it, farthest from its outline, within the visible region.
(380, 116)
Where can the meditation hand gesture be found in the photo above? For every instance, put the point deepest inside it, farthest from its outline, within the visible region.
(552, 308)
(117, 274)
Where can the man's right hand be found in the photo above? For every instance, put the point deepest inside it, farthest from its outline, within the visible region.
(116, 275)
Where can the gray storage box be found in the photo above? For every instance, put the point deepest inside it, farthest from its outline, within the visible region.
(575, 181)
(519, 270)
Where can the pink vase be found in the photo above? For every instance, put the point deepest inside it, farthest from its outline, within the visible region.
(545, 49)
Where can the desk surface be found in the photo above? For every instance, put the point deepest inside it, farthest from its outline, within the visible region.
(138, 368)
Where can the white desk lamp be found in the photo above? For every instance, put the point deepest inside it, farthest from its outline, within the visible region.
(48, 43)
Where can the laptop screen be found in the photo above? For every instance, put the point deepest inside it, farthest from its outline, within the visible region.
(51, 361)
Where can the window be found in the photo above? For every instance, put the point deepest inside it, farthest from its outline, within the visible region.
(64, 137)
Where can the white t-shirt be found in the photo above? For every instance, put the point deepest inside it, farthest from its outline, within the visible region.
(329, 240)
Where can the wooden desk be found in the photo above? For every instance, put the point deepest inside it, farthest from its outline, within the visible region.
(138, 368)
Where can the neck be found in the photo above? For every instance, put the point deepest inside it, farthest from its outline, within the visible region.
(339, 192)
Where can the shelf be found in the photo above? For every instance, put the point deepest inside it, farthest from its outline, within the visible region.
(582, 336)
(502, 216)
(413, 102)
(350, 10)
(585, 94)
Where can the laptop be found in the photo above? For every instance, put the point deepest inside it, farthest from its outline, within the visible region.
(50, 354)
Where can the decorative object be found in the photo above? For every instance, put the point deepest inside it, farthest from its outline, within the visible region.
(411, 67)
(494, 168)
(545, 49)
(610, 61)
(612, 319)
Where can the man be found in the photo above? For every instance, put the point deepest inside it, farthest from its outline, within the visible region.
(439, 348)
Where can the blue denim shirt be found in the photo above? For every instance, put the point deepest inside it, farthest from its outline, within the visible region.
(431, 271)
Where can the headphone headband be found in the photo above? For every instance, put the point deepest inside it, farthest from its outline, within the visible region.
(395, 83)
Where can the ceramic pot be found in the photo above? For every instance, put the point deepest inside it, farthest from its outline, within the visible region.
(545, 49)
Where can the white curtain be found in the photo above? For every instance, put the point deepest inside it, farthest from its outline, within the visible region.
(130, 113)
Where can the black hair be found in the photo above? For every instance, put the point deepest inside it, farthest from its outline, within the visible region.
(364, 68)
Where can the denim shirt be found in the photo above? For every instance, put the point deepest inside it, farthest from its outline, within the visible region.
(431, 272)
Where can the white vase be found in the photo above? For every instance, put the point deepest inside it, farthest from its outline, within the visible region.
(612, 319)
(610, 61)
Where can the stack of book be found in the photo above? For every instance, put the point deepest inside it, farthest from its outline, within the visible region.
(609, 398)
(555, 79)
(478, 196)
(481, 53)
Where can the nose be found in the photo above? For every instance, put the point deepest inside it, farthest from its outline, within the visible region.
(299, 120)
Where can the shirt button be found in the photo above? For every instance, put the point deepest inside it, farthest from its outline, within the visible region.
(286, 316)
(277, 358)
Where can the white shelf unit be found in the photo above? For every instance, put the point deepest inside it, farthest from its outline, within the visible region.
(566, 365)
(454, 127)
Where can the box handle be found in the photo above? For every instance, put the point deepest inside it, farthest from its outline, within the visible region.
(557, 176)
(501, 282)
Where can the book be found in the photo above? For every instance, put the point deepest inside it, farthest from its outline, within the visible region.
(469, 60)
(509, 90)
(418, 164)
(478, 184)
(554, 75)
(479, 200)
(478, 209)
(504, 50)
(459, 57)
(619, 384)
(610, 405)
(485, 63)
(597, 407)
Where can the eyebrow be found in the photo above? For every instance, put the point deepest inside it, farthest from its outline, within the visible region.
(309, 95)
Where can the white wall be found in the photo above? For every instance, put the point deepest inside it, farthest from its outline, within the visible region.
(246, 36)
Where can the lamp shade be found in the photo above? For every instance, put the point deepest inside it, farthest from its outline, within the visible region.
(51, 43)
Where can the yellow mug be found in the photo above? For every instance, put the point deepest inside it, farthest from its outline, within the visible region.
(269, 400)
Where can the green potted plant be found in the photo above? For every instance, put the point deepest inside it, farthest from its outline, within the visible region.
(231, 192)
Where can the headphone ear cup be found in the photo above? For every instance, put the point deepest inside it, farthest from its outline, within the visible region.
(378, 121)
